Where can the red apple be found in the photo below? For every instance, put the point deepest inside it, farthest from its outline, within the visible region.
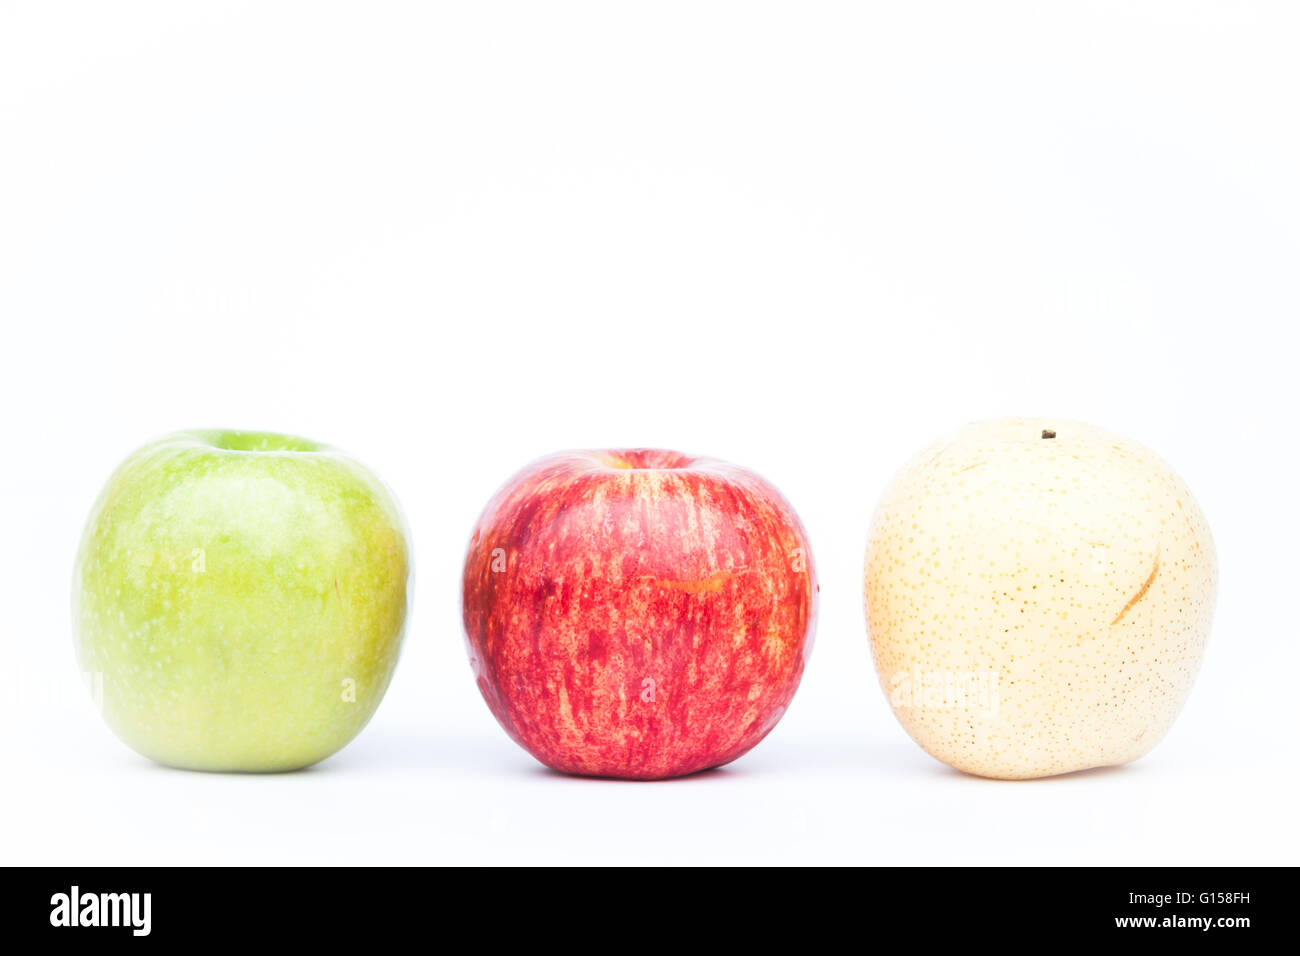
(639, 614)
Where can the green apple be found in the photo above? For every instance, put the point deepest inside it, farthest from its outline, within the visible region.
(239, 598)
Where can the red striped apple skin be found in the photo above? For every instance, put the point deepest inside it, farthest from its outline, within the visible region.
(638, 613)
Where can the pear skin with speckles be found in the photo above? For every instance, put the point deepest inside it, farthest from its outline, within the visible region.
(1038, 597)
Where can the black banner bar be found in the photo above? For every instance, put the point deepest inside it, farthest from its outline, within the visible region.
(959, 905)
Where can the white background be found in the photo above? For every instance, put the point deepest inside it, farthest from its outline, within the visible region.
(809, 238)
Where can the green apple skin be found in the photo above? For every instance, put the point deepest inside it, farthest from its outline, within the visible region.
(240, 598)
